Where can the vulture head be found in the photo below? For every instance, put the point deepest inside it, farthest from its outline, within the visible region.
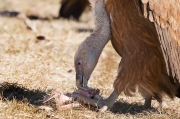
(85, 61)
(88, 53)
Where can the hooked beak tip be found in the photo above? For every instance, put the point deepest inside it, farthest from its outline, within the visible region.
(79, 80)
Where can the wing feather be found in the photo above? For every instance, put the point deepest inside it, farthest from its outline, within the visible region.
(166, 16)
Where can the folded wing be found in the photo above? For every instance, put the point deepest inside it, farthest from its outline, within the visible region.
(166, 16)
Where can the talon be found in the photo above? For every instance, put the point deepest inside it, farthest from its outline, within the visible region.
(81, 100)
(103, 109)
(84, 100)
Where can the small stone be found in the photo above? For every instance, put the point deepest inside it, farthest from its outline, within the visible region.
(40, 37)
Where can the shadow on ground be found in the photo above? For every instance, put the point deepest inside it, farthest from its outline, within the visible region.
(7, 13)
(14, 91)
(126, 108)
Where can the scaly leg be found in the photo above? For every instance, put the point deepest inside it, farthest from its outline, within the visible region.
(147, 97)
(147, 103)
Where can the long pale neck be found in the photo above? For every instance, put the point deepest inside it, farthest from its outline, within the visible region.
(90, 49)
(102, 31)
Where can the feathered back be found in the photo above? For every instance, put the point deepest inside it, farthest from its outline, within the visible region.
(166, 16)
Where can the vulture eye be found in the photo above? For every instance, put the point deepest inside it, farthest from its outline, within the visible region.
(79, 63)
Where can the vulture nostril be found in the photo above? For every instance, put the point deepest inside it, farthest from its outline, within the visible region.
(78, 63)
(78, 77)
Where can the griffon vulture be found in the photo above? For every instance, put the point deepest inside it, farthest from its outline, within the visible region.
(146, 34)
(72, 8)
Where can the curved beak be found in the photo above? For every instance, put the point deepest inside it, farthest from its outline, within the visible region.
(81, 78)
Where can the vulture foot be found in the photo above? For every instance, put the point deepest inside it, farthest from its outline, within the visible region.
(102, 104)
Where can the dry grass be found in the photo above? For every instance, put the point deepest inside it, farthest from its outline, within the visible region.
(32, 68)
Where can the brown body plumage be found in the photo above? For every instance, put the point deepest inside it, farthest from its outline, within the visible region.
(136, 40)
(145, 62)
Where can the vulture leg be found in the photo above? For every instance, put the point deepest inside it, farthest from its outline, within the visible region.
(147, 98)
(108, 103)
(147, 103)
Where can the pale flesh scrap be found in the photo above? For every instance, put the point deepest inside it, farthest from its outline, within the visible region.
(68, 100)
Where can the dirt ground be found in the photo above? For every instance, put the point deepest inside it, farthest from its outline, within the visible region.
(36, 58)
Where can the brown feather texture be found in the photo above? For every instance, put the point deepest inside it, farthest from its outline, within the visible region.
(166, 17)
(149, 48)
